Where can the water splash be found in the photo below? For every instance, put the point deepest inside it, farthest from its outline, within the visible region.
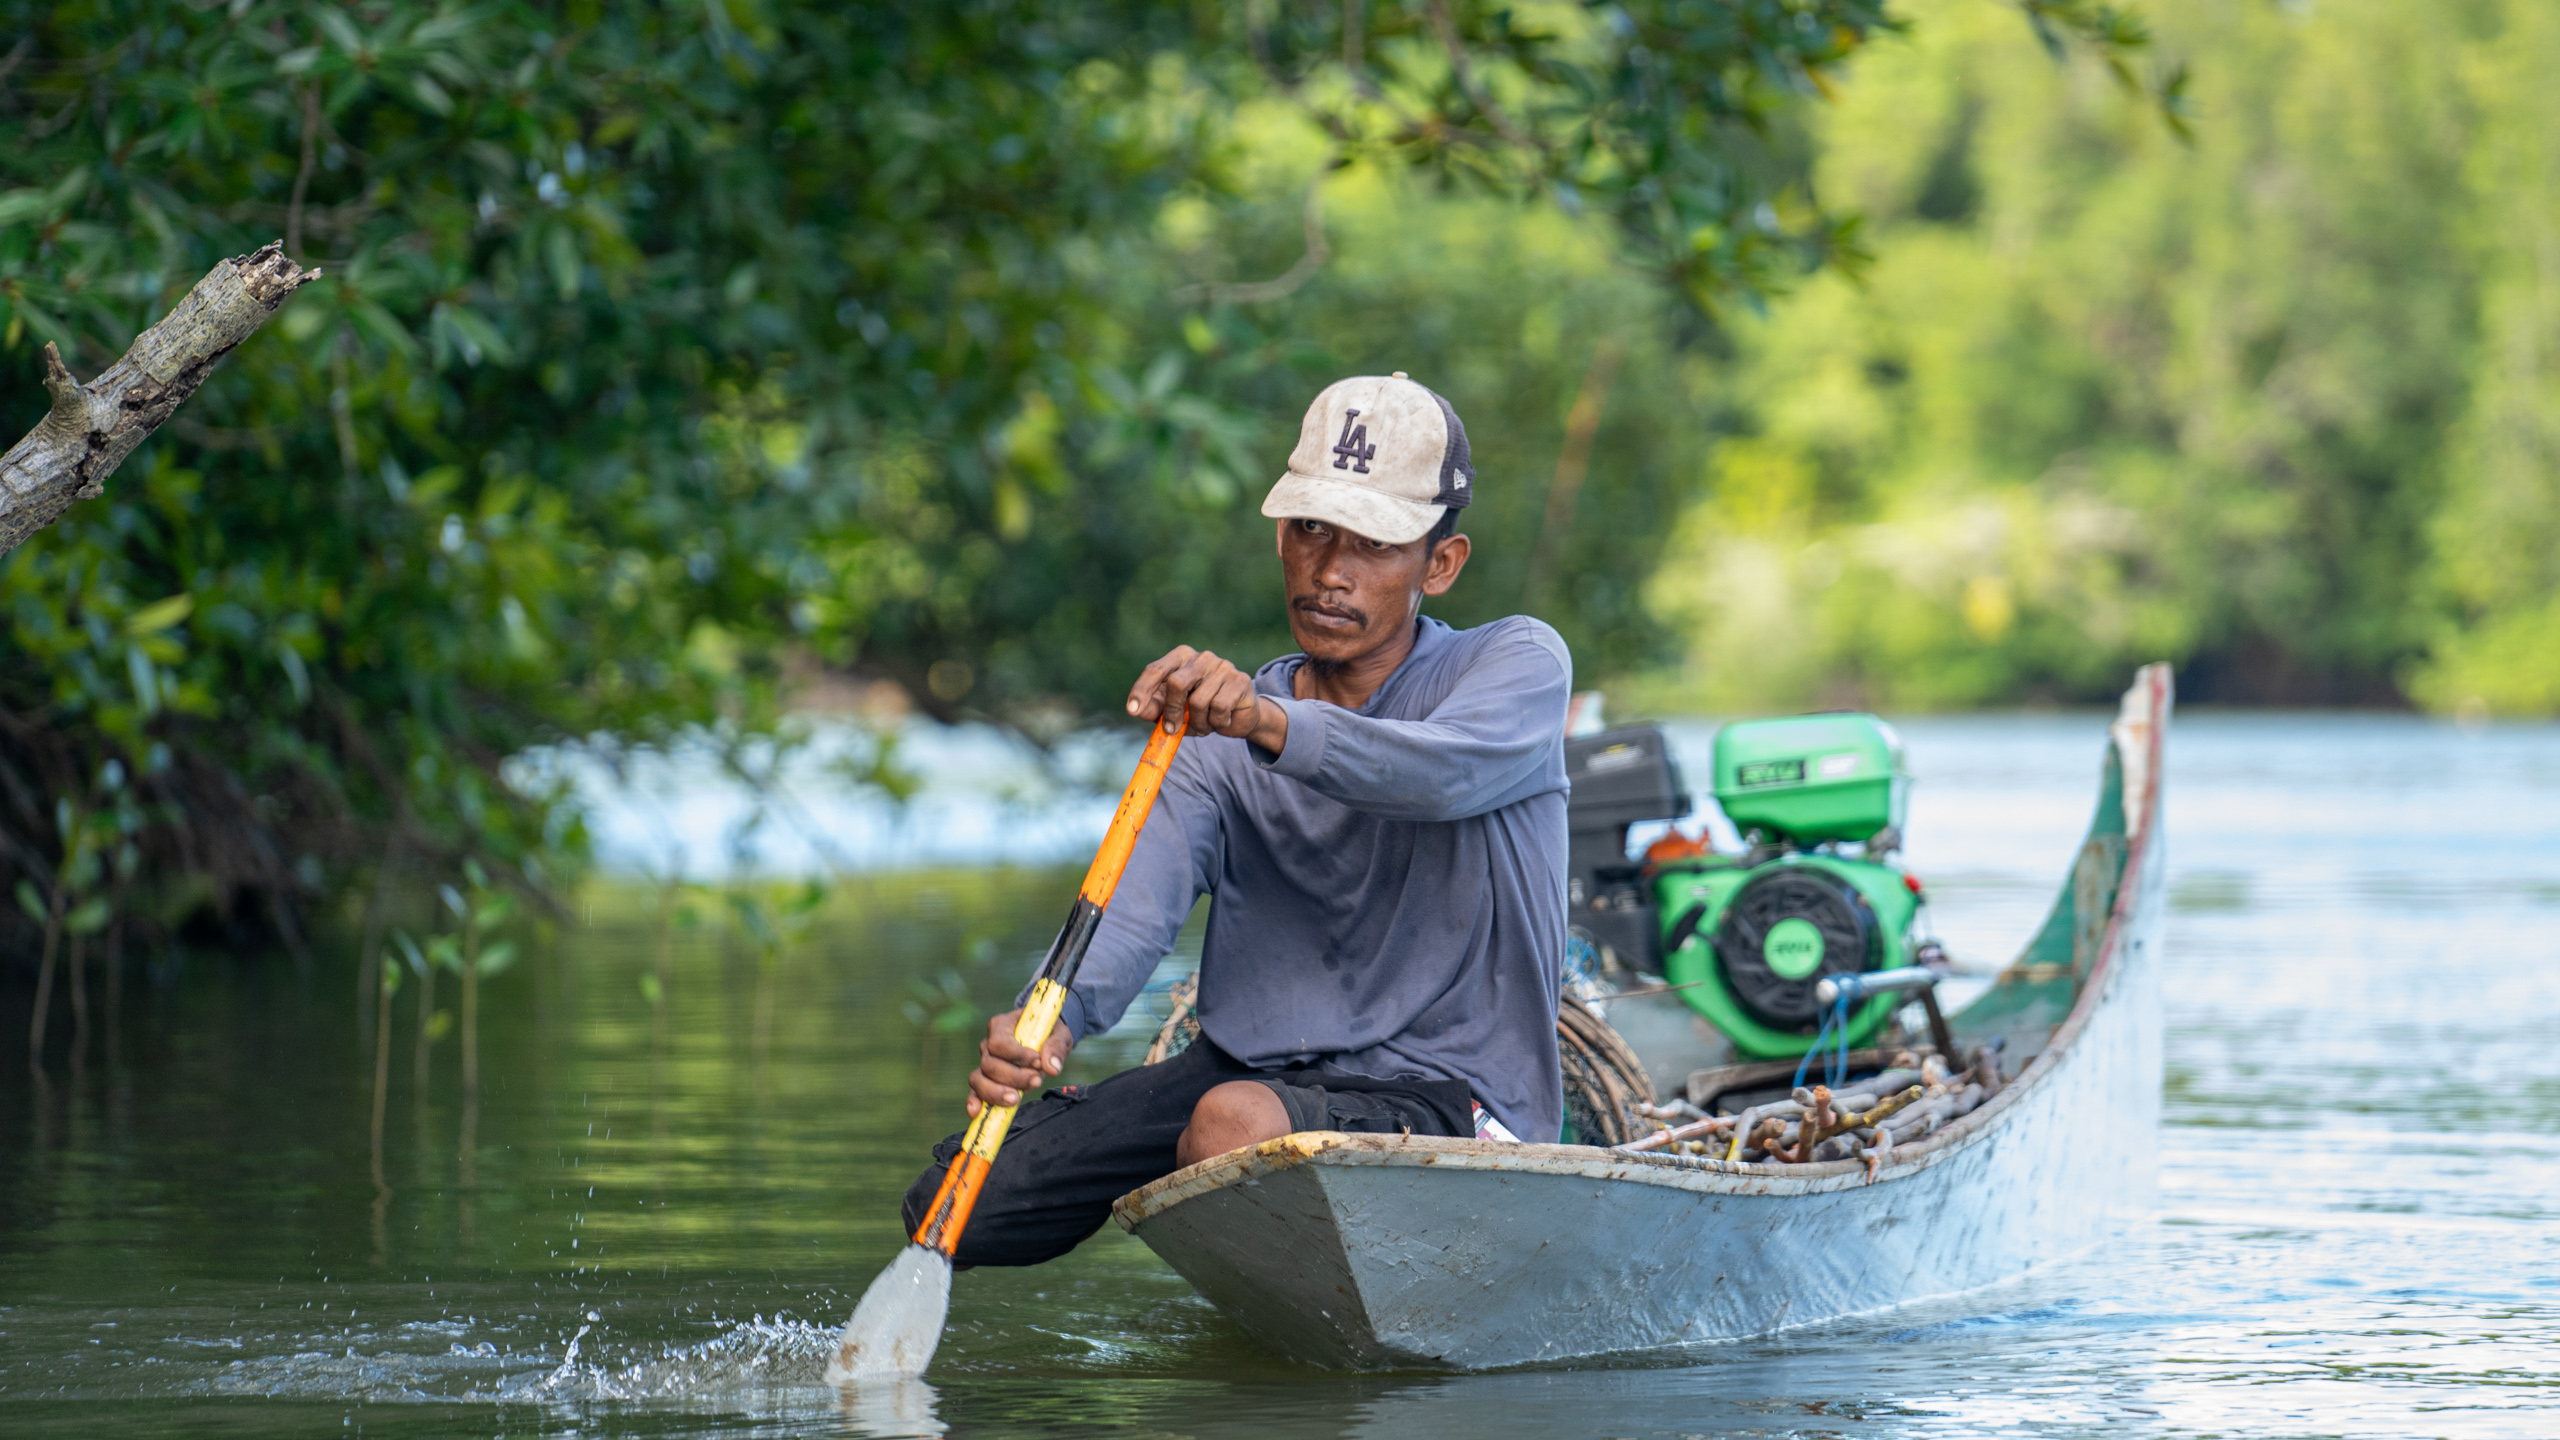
(773, 1368)
(748, 1357)
(569, 1359)
(763, 1368)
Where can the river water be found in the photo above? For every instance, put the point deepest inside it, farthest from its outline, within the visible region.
(653, 1216)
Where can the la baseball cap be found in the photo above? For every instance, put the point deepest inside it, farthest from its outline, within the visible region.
(1379, 456)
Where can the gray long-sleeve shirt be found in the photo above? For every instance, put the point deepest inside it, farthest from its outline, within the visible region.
(1389, 887)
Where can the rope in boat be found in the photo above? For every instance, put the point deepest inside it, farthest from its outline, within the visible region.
(1835, 1023)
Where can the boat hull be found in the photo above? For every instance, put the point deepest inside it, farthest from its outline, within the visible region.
(1371, 1252)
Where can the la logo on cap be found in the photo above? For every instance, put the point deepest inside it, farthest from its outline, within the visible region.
(1351, 451)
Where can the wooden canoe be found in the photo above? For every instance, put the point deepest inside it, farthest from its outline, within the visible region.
(1382, 1252)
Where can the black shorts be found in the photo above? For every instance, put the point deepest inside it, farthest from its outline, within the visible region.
(1316, 1101)
(1080, 1147)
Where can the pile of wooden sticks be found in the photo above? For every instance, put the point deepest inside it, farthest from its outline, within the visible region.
(1909, 1100)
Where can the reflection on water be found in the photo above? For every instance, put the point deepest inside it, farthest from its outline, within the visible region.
(660, 1222)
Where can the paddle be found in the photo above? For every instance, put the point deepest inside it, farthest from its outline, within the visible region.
(898, 1325)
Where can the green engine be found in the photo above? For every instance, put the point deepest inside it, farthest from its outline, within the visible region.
(1750, 938)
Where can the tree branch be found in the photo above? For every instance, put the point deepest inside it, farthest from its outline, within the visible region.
(92, 427)
(1288, 281)
(1581, 427)
(1466, 78)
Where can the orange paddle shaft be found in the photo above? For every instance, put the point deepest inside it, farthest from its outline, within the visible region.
(944, 1219)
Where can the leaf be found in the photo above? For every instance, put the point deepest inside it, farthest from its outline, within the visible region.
(31, 902)
(458, 329)
(560, 252)
(429, 490)
(19, 206)
(88, 917)
(750, 913)
(145, 677)
(439, 1025)
(497, 956)
(296, 673)
(342, 30)
(159, 615)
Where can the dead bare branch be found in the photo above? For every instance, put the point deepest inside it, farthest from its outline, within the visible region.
(92, 427)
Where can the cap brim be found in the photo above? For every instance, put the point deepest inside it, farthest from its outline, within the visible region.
(1355, 508)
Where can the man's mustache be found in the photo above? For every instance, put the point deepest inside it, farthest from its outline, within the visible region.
(1339, 612)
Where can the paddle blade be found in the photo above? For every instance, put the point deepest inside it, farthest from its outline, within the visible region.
(898, 1325)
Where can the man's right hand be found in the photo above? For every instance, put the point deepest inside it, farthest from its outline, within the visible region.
(1008, 1070)
(1215, 696)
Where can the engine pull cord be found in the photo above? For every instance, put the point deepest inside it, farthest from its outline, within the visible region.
(1835, 1021)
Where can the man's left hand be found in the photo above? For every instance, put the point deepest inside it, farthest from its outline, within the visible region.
(1219, 697)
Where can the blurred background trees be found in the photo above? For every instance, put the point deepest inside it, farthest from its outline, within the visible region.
(2278, 403)
(676, 365)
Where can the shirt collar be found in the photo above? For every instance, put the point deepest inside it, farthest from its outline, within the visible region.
(1280, 676)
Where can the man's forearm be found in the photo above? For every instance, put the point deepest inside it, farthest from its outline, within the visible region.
(1492, 735)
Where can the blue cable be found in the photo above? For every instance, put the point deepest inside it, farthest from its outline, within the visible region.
(1835, 1019)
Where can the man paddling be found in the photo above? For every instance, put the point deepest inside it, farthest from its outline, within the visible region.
(1380, 822)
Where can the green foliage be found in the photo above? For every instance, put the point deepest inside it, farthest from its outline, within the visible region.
(2270, 404)
(942, 1006)
(478, 911)
(775, 922)
(2495, 540)
(667, 357)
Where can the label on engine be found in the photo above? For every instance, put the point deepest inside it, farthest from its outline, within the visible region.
(1769, 772)
(1793, 948)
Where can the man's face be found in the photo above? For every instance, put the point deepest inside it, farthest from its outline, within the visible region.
(1349, 595)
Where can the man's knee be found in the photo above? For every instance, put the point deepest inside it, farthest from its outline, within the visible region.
(1235, 1114)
